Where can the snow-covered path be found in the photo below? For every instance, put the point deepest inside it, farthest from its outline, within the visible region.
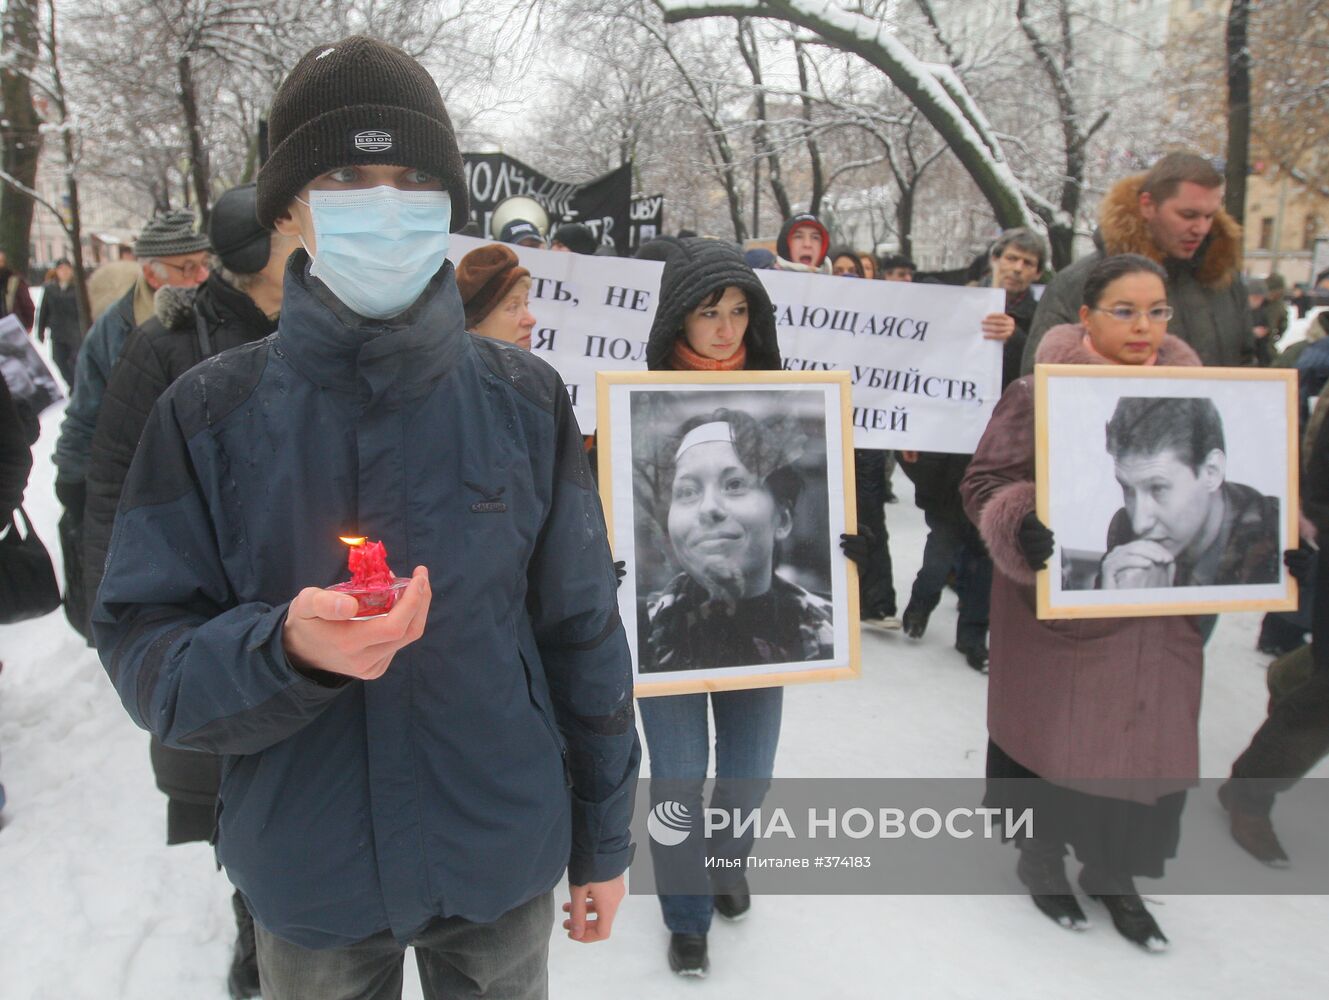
(96, 906)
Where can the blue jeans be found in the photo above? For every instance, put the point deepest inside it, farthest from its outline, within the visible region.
(456, 958)
(747, 729)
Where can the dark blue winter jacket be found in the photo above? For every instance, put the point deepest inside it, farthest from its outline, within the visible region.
(96, 360)
(499, 748)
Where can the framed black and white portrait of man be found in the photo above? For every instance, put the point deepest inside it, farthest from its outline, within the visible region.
(1168, 490)
(725, 494)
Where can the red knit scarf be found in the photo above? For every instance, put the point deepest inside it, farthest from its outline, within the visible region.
(685, 359)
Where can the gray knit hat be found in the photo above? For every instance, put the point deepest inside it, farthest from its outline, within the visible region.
(170, 234)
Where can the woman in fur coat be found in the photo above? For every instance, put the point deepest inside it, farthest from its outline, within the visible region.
(1094, 720)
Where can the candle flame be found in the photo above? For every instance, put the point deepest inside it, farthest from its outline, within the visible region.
(353, 541)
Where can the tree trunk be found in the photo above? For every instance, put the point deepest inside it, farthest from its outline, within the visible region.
(1239, 108)
(904, 221)
(814, 152)
(22, 140)
(761, 140)
(75, 230)
(198, 156)
(74, 224)
(1074, 136)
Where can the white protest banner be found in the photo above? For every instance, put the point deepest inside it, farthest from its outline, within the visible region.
(924, 377)
(591, 314)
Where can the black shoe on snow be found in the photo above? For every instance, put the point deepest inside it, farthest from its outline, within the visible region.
(687, 955)
(1124, 905)
(915, 621)
(734, 903)
(975, 652)
(1043, 871)
(243, 978)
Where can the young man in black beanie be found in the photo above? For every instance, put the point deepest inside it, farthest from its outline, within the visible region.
(426, 777)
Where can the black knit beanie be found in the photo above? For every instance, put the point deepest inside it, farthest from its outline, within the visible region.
(353, 102)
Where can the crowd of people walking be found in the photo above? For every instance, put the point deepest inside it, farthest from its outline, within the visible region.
(429, 778)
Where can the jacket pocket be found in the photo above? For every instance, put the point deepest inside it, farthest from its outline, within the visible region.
(545, 712)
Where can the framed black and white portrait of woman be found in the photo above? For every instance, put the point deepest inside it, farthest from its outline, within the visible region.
(1168, 490)
(725, 494)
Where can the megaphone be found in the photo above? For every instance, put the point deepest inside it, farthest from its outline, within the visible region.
(522, 207)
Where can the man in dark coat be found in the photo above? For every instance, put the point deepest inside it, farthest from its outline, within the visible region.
(954, 550)
(1173, 215)
(59, 314)
(235, 306)
(427, 777)
(169, 252)
(1295, 736)
(1015, 261)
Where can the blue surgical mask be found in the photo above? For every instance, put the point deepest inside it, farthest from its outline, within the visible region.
(379, 247)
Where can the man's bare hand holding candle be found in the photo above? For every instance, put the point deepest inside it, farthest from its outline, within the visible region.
(320, 635)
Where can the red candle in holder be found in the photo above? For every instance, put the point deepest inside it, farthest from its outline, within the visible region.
(372, 584)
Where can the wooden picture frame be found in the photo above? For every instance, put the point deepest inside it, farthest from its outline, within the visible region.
(686, 615)
(1198, 541)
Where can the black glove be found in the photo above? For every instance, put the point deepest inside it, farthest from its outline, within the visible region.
(1035, 540)
(858, 548)
(72, 496)
(621, 570)
(1299, 563)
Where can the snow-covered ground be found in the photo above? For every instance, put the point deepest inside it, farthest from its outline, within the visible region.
(96, 906)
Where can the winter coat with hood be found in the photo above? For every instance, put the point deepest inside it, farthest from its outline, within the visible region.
(1207, 295)
(191, 324)
(1088, 699)
(785, 260)
(674, 628)
(497, 750)
(694, 268)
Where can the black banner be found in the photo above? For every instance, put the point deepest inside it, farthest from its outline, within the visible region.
(604, 204)
(647, 219)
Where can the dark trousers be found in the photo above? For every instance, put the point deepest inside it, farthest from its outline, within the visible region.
(1286, 630)
(64, 355)
(876, 588)
(1295, 737)
(954, 545)
(456, 958)
(77, 610)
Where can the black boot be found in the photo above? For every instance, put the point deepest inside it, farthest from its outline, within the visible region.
(975, 652)
(1042, 869)
(734, 902)
(687, 955)
(1129, 917)
(916, 620)
(243, 979)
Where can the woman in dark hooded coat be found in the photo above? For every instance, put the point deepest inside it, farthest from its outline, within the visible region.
(713, 315)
